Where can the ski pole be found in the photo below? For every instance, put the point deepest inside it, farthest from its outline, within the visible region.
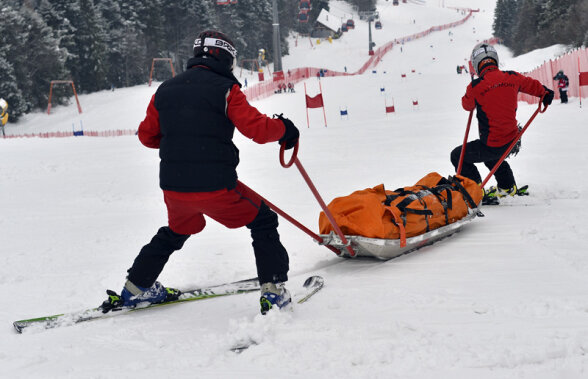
(294, 160)
(514, 142)
(465, 140)
(292, 220)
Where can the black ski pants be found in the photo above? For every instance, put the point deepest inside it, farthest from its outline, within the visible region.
(563, 94)
(476, 152)
(271, 257)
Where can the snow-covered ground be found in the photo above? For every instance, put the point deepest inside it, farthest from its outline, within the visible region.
(505, 298)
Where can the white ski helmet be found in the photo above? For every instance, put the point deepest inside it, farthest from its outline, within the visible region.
(481, 52)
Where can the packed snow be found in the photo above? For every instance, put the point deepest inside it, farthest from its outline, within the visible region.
(507, 297)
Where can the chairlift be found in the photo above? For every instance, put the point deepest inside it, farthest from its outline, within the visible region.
(378, 25)
(305, 5)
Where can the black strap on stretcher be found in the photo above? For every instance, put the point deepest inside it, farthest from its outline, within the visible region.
(445, 186)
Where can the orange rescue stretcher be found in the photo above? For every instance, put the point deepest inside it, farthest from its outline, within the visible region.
(385, 224)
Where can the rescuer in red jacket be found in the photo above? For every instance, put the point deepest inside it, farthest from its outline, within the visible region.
(494, 96)
(191, 119)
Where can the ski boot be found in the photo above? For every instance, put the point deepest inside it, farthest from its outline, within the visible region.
(132, 295)
(512, 191)
(492, 194)
(501, 192)
(274, 294)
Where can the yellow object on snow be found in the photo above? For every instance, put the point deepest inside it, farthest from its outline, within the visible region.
(4, 114)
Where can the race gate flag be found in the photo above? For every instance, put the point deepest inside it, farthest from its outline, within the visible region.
(343, 112)
(389, 108)
(582, 80)
(315, 102)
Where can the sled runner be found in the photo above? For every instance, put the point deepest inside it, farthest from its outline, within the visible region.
(391, 248)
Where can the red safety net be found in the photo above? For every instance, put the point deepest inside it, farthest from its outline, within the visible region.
(571, 63)
(266, 89)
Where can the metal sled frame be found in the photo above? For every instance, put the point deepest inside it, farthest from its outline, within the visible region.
(390, 248)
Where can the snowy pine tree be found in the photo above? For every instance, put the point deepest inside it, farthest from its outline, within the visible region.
(89, 68)
(30, 59)
(505, 20)
(114, 40)
(9, 91)
(524, 25)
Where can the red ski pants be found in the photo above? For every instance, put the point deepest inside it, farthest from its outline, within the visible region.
(232, 208)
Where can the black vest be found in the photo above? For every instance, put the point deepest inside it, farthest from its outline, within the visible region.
(196, 150)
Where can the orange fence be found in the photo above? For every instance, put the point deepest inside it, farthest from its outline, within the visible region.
(266, 89)
(571, 63)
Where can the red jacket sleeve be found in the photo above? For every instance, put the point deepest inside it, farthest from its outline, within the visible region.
(530, 86)
(249, 121)
(149, 132)
(467, 101)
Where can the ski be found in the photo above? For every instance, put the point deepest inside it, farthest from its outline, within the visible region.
(311, 286)
(66, 319)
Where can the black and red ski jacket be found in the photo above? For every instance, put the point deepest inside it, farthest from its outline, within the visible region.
(191, 120)
(562, 82)
(494, 95)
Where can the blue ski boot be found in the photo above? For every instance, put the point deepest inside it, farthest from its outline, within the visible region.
(132, 295)
(274, 294)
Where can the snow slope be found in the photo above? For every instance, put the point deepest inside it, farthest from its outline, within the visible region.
(507, 297)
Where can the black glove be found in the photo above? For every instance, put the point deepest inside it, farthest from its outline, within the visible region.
(548, 98)
(291, 134)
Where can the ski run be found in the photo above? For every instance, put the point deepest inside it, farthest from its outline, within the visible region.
(506, 297)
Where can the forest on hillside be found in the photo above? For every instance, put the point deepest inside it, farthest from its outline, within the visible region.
(103, 44)
(525, 25)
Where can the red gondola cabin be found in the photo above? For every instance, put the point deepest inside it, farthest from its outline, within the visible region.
(304, 5)
(303, 16)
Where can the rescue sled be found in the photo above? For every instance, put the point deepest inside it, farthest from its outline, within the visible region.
(391, 248)
(410, 217)
(385, 224)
